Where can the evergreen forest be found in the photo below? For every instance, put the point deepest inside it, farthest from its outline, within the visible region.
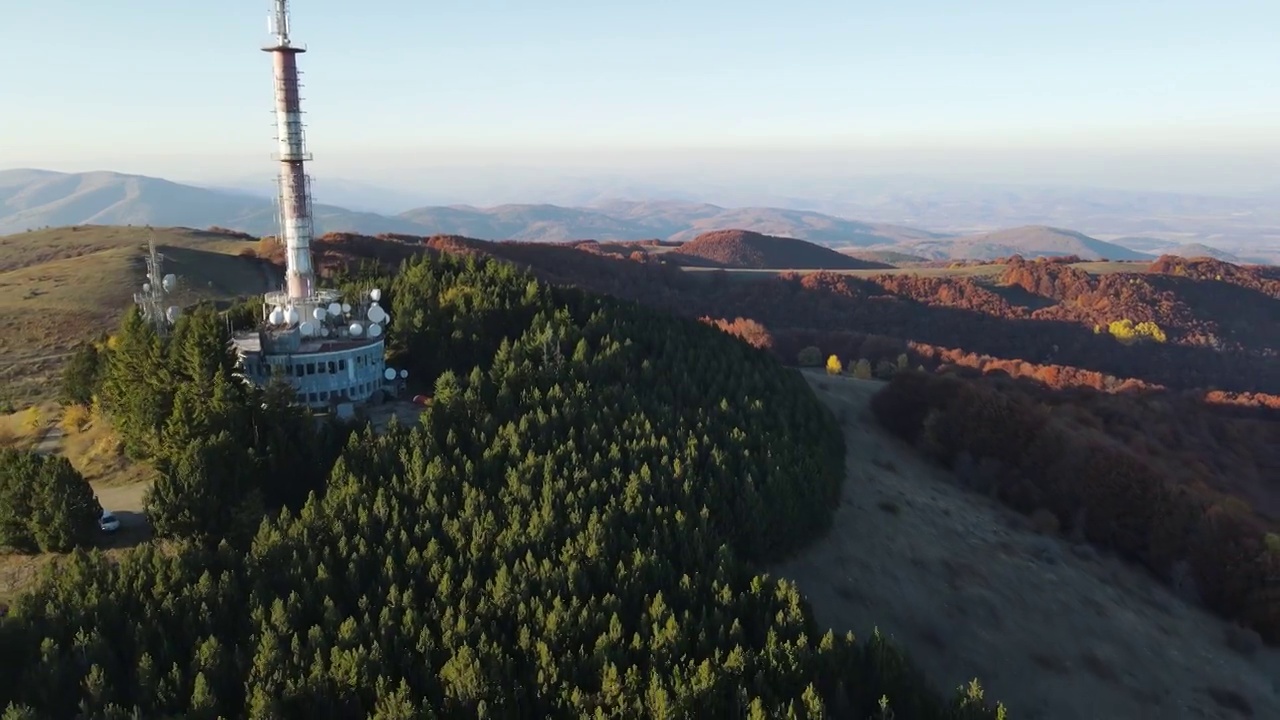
(576, 528)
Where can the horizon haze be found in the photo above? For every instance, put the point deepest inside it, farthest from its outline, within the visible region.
(486, 101)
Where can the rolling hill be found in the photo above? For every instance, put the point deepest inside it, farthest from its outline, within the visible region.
(1194, 250)
(743, 249)
(1028, 241)
(32, 199)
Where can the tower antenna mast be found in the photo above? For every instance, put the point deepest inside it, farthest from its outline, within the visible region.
(294, 185)
(155, 289)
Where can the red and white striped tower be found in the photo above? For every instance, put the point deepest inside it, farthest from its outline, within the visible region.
(296, 227)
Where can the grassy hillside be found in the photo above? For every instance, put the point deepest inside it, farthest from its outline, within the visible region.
(63, 286)
(38, 199)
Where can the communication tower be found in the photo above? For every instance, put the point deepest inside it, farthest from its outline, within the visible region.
(156, 290)
(331, 352)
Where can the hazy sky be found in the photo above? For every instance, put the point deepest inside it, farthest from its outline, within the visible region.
(1133, 93)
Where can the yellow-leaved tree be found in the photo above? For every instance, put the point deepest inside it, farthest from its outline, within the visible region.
(834, 367)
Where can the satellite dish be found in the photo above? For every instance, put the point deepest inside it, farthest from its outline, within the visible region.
(375, 294)
(318, 313)
(172, 313)
(170, 282)
(291, 316)
(346, 307)
(306, 328)
(390, 374)
(146, 287)
(375, 330)
(404, 374)
(324, 332)
(377, 314)
(276, 317)
(335, 309)
(355, 329)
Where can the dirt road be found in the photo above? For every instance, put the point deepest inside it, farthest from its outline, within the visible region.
(1053, 631)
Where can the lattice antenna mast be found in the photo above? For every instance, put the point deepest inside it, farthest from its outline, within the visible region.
(278, 22)
(294, 193)
(155, 289)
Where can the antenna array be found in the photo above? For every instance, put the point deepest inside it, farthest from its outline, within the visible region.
(156, 289)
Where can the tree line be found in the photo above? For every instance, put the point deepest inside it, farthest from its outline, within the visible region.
(225, 451)
(1201, 539)
(571, 530)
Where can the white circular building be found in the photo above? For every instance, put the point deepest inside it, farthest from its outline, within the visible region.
(330, 361)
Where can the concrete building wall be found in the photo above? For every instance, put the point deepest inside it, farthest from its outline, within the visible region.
(349, 374)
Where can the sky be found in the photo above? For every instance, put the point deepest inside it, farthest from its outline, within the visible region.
(1167, 94)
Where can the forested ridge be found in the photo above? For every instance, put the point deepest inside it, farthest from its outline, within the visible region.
(571, 531)
(1038, 318)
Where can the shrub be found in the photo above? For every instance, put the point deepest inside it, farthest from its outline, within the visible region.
(809, 357)
(862, 369)
(74, 419)
(885, 370)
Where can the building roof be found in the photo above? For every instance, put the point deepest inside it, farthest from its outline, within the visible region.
(251, 342)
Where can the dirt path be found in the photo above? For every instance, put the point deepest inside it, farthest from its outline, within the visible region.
(1052, 631)
(50, 440)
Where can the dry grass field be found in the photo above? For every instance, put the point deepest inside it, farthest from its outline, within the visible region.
(62, 286)
(1055, 631)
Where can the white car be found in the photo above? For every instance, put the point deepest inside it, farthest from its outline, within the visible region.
(108, 522)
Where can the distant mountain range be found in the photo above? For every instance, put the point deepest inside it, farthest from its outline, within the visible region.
(32, 199)
(1029, 241)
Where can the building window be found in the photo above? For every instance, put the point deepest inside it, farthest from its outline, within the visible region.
(332, 367)
(311, 368)
(342, 365)
(297, 370)
(311, 398)
(324, 396)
